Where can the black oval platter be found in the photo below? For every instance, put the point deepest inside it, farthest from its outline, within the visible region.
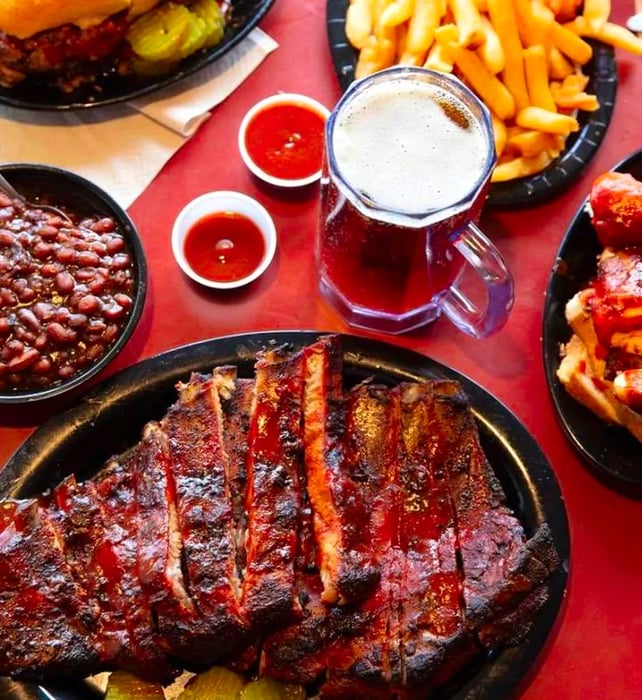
(613, 453)
(110, 88)
(581, 146)
(110, 417)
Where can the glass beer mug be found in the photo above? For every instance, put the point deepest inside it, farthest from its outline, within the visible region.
(408, 158)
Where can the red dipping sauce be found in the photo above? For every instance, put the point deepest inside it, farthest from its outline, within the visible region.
(224, 246)
(284, 139)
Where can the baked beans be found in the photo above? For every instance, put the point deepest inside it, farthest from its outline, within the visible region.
(66, 292)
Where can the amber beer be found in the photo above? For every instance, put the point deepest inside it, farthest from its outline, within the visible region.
(407, 163)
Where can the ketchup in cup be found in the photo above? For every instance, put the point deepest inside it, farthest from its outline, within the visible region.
(224, 246)
(224, 239)
(409, 154)
(281, 139)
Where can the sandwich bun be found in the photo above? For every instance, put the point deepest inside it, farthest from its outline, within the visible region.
(24, 18)
(581, 372)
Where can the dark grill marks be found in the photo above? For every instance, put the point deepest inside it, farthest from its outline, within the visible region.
(38, 594)
(346, 560)
(78, 516)
(435, 641)
(499, 565)
(374, 657)
(158, 539)
(273, 497)
(198, 545)
(123, 515)
(236, 397)
(200, 470)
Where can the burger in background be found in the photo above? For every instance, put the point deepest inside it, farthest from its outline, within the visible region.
(70, 42)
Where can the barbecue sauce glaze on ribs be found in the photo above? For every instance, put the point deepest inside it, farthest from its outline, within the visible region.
(351, 538)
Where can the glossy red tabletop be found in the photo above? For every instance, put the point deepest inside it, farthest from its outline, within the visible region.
(596, 651)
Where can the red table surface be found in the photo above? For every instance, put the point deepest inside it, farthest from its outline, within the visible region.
(597, 647)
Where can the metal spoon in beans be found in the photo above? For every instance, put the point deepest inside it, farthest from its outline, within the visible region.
(12, 193)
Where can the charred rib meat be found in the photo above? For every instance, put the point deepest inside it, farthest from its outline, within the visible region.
(353, 538)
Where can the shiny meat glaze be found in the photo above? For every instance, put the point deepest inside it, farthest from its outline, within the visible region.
(499, 566)
(218, 528)
(38, 593)
(123, 520)
(273, 496)
(435, 639)
(346, 559)
(200, 470)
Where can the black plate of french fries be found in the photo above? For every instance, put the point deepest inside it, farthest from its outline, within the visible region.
(567, 89)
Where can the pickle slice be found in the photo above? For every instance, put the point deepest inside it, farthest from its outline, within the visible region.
(217, 683)
(269, 689)
(157, 35)
(210, 12)
(125, 686)
(195, 36)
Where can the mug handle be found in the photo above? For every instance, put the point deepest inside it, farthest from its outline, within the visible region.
(482, 255)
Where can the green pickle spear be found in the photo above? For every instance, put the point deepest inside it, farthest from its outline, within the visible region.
(216, 683)
(158, 34)
(269, 689)
(122, 685)
(210, 12)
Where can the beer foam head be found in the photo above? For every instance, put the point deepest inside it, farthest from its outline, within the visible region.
(409, 146)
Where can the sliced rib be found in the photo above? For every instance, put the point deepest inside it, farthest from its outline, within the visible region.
(273, 496)
(118, 488)
(199, 466)
(372, 438)
(436, 643)
(45, 617)
(500, 565)
(346, 560)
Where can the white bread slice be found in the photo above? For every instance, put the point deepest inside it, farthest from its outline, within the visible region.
(579, 319)
(596, 393)
(577, 375)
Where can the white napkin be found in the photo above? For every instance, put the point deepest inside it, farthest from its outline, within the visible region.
(122, 147)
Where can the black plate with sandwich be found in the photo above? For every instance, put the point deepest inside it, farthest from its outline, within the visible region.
(38, 44)
(611, 451)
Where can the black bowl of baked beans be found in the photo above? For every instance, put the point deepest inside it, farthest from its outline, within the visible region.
(71, 289)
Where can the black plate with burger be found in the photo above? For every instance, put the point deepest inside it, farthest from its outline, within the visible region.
(85, 53)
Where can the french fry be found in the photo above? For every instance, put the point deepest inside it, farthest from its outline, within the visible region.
(559, 67)
(596, 12)
(422, 26)
(529, 143)
(570, 94)
(502, 15)
(571, 45)
(537, 81)
(468, 21)
(542, 29)
(543, 120)
(521, 167)
(492, 91)
(376, 55)
(359, 22)
(397, 12)
(500, 134)
(609, 33)
(491, 51)
(439, 58)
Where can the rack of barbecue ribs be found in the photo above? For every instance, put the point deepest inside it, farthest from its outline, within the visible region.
(354, 538)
